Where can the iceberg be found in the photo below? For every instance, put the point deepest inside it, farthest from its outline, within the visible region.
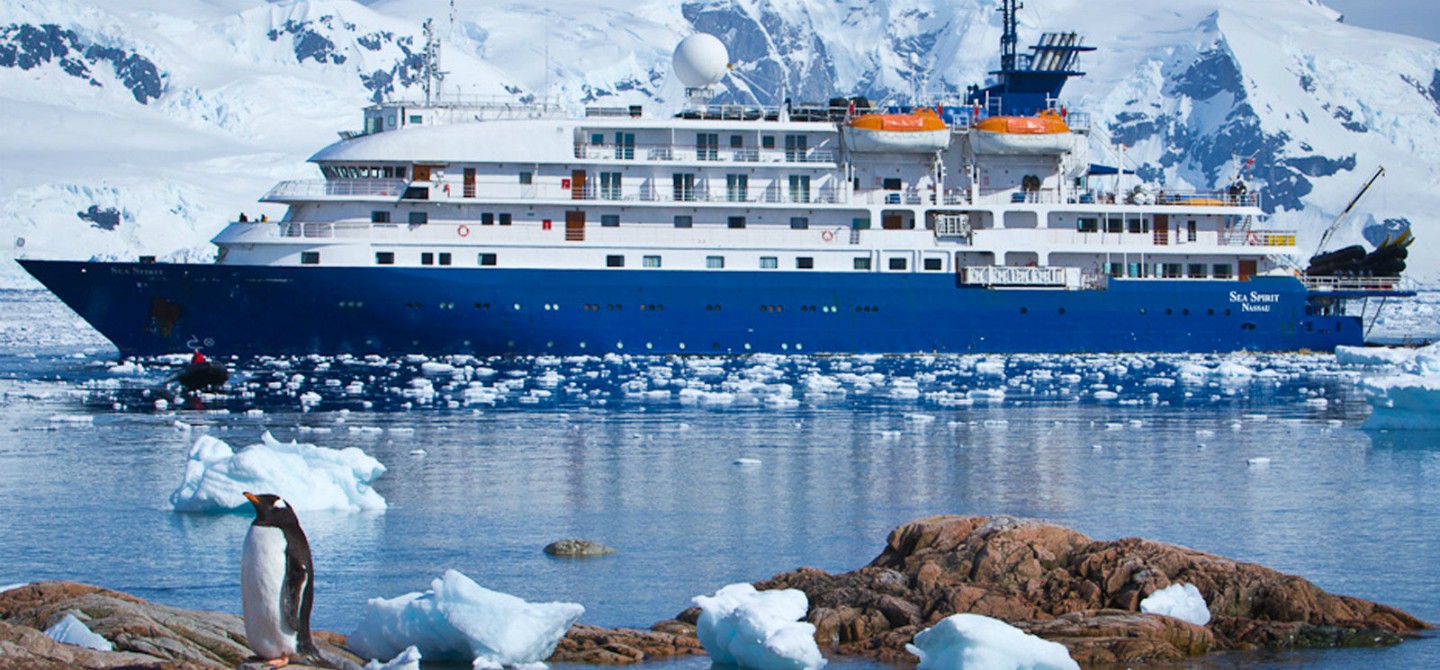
(963, 641)
(308, 477)
(73, 631)
(1409, 397)
(459, 620)
(758, 629)
(1181, 601)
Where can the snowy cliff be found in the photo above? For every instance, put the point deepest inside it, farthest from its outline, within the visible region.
(133, 130)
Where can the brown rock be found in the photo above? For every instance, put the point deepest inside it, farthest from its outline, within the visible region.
(1064, 586)
(620, 646)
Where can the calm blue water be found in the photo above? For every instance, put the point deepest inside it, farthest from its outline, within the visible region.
(611, 450)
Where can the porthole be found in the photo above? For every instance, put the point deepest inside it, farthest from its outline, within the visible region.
(1210, 312)
(1024, 310)
(1143, 311)
(1169, 312)
(1061, 311)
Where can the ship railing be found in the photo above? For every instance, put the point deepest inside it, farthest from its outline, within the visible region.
(665, 153)
(1257, 238)
(1345, 284)
(335, 188)
(906, 197)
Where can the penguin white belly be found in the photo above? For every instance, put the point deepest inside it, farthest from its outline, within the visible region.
(262, 585)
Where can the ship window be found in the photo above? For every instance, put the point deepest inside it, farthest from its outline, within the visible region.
(715, 262)
(737, 141)
(525, 177)
(799, 188)
(707, 146)
(417, 218)
(769, 262)
(684, 221)
(487, 259)
(934, 264)
(1196, 270)
(1138, 224)
(1114, 223)
(1192, 231)
(427, 258)
(610, 185)
(891, 184)
(379, 217)
(683, 184)
(860, 223)
(389, 171)
(736, 222)
(309, 258)
(1170, 270)
(487, 219)
(862, 263)
(767, 142)
(505, 218)
(805, 263)
(795, 148)
(597, 138)
(444, 258)
(384, 258)
(416, 119)
(1222, 271)
(400, 172)
(737, 187)
(1247, 326)
(1117, 269)
(615, 261)
(651, 261)
(799, 222)
(1087, 224)
(897, 263)
(610, 220)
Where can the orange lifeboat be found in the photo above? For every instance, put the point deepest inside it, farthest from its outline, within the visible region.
(1044, 133)
(920, 132)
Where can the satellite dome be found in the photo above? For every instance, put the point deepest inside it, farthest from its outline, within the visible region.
(700, 60)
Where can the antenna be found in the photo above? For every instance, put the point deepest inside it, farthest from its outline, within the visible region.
(1011, 37)
(433, 75)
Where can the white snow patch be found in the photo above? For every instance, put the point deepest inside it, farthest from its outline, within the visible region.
(308, 477)
(964, 641)
(73, 631)
(758, 629)
(459, 620)
(1181, 601)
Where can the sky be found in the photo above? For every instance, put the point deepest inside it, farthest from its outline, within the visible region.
(1412, 17)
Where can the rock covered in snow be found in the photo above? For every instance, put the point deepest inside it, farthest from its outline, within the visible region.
(72, 631)
(972, 641)
(1182, 601)
(758, 629)
(307, 476)
(459, 620)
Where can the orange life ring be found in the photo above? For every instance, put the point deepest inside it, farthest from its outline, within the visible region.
(463, 230)
(1252, 239)
(827, 235)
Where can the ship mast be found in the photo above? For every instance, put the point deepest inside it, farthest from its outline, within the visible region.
(1009, 39)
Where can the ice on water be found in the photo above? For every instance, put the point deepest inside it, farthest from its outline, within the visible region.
(309, 477)
(71, 630)
(1182, 601)
(459, 620)
(1402, 385)
(970, 641)
(758, 629)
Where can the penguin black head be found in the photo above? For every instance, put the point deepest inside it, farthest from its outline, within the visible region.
(272, 510)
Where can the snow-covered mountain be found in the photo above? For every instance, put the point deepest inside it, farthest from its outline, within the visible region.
(130, 130)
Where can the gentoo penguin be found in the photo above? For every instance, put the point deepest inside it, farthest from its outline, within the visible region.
(277, 582)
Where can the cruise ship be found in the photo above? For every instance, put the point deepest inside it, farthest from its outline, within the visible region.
(499, 228)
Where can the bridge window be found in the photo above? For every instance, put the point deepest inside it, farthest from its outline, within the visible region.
(934, 264)
(1087, 224)
(799, 222)
(384, 258)
(487, 259)
(309, 258)
(769, 262)
(897, 263)
(862, 263)
(427, 258)
(417, 218)
(684, 221)
(1222, 271)
(805, 263)
(379, 217)
(715, 262)
(651, 261)
(615, 261)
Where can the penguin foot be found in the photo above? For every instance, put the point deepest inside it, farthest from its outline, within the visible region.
(278, 662)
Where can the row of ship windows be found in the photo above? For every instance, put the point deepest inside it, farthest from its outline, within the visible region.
(644, 307)
(606, 220)
(488, 259)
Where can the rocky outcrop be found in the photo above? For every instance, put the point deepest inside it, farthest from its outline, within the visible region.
(622, 646)
(144, 634)
(577, 549)
(1064, 586)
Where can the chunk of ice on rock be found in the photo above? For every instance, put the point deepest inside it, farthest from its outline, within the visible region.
(758, 629)
(1181, 601)
(966, 641)
(459, 620)
(308, 477)
(70, 630)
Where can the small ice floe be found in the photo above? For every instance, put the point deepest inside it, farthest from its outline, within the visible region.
(419, 453)
(127, 369)
(746, 462)
(1106, 395)
(309, 399)
(401, 431)
(920, 418)
(73, 419)
(255, 412)
(974, 641)
(890, 434)
(306, 476)
(761, 630)
(1258, 461)
(161, 404)
(459, 620)
(407, 660)
(1255, 417)
(368, 431)
(1317, 402)
(1181, 601)
(1096, 447)
(70, 630)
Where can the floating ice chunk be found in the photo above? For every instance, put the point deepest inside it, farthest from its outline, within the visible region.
(1403, 401)
(747, 462)
(963, 641)
(1345, 355)
(1106, 395)
(407, 660)
(127, 369)
(758, 629)
(1258, 462)
(1181, 601)
(307, 476)
(73, 631)
(459, 620)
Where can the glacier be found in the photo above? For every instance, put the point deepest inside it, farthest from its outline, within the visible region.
(141, 131)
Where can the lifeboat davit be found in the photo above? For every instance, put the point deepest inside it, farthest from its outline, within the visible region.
(920, 132)
(1044, 133)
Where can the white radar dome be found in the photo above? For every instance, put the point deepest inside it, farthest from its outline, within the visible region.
(700, 60)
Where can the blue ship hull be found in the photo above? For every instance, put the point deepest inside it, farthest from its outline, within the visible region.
(155, 308)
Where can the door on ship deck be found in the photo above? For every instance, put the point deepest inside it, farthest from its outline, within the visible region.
(575, 226)
(577, 184)
(1248, 269)
(1162, 229)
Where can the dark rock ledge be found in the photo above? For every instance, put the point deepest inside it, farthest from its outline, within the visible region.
(1047, 580)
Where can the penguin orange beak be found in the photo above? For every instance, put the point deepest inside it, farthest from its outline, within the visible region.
(252, 498)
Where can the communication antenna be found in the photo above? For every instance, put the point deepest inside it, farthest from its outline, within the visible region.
(434, 76)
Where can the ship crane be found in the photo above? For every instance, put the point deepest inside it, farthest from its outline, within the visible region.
(1346, 213)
